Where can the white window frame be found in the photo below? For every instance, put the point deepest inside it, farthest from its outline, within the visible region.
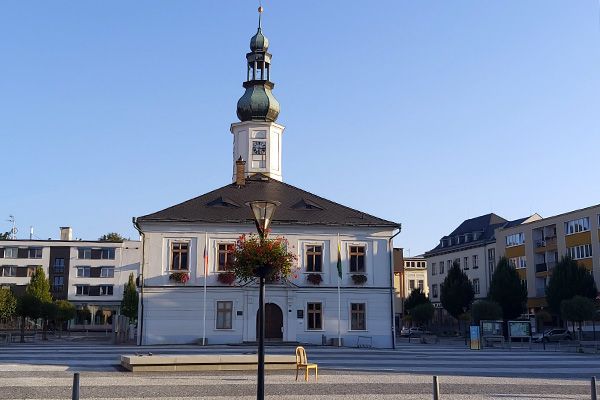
(230, 315)
(107, 268)
(216, 262)
(305, 246)
(306, 315)
(102, 287)
(366, 257)
(14, 252)
(82, 286)
(364, 303)
(84, 268)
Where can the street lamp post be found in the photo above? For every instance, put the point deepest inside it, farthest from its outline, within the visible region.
(262, 211)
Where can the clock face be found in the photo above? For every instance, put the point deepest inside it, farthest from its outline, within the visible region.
(259, 148)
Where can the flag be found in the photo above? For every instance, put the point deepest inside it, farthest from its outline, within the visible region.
(339, 261)
(206, 258)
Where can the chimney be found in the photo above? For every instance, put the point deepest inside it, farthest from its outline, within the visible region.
(240, 172)
(66, 233)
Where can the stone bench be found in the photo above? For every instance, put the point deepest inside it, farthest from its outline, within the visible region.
(204, 362)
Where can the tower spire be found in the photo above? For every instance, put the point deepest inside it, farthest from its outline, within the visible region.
(258, 102)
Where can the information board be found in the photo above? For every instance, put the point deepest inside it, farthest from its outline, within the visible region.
(491, 328)
(519, 329)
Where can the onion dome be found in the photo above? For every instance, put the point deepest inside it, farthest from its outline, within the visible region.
(258, 102)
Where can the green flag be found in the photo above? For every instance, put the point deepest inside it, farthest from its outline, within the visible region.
(339, 262)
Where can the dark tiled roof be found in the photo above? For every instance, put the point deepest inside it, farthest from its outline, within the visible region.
(227, 205)
(484, 225)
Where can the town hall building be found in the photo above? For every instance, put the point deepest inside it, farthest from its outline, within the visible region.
(185, 295)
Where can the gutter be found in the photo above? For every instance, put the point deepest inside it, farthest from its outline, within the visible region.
(141, 278)
(391, 247)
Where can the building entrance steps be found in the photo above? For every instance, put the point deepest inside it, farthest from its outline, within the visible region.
(205, 362)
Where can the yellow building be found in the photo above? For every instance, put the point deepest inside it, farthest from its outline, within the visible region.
(409, 273)
(534, 248)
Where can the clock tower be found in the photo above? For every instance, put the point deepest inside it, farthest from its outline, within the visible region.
(257, 137)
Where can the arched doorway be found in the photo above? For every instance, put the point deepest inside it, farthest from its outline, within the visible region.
(273, 322)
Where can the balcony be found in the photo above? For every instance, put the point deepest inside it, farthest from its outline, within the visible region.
(542, 267)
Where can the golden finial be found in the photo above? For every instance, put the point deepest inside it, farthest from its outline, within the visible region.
(260, 9)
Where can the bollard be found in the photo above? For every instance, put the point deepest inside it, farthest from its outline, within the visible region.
(436, 388)
(75, 394)
(594, 388)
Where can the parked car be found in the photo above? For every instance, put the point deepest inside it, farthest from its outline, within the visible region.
(405, 331)
(553, 335)
(417, 331)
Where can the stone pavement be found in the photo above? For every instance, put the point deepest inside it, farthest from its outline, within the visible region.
(44, 371)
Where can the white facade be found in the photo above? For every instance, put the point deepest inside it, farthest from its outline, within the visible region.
(259, 144)
(15, 270)
(477, 269)
(174, 312)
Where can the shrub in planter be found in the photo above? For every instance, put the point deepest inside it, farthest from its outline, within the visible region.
(226, 277)
(359, 279)
(181, 277)
(315, 279)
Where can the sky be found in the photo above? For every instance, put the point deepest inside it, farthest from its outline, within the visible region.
(424, 112)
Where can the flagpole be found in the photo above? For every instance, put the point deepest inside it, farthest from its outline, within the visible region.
(205, 260)
(339, 294)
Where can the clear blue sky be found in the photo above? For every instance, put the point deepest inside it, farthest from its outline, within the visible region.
(421, 112)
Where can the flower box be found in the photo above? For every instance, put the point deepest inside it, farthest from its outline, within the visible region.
(226, 278)
(359, 279)
(315, 279)
(181, 277)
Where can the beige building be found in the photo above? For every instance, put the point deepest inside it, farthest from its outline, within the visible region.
(409, 273)
(534, 248)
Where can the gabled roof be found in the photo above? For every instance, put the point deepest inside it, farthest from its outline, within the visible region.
(227, 205)
(482, 230)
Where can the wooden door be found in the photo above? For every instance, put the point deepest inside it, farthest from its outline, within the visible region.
(273, 322)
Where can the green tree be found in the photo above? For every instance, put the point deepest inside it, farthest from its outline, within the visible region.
(568, 280)
(129, 304)
(8, 303)
(48, 313)
(456, 292)
(39, 287)
(422, 313)
(485, 310)
(65, 311)
(415, 298)
(111, 237)
(507, 290)
(28, 306)
(5, 236)
(578, 309)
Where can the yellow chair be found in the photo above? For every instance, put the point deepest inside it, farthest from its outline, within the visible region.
(302, 362)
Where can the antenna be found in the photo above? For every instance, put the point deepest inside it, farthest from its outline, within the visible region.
(31, 232)
(13, 231)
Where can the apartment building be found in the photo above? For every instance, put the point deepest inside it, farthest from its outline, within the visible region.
(473, 246)
(90, 274)
(535, 247)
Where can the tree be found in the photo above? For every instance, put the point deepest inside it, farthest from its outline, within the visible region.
(48, 313)
(8, 303)
(578, 309)
(415, 298)
(129, 304)
(422, 313)
(111, 237)
(507, 290)
(568, 280)
(28, 306)
(456, 292)
(5, 236)
(485, 310)
(39, 288)
(65, 311)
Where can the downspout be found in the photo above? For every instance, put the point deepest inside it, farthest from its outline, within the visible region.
(141, 279)
(391, 247)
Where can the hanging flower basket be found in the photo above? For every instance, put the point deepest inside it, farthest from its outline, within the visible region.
(359, 279)
(254, 257)
(181, 277)
(315, 279)
(226, 277)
